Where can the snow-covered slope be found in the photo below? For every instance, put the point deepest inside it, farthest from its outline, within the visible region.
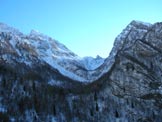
(91, 63)
(45, 49)
(36, 69)
(37, 47)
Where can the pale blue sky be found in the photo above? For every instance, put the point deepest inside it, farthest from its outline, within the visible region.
(87, 27)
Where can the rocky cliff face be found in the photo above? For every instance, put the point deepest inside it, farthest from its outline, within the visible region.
(41, 80)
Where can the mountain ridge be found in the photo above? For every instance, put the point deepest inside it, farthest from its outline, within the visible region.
(47, 48)
(47, 42)
(42, 80)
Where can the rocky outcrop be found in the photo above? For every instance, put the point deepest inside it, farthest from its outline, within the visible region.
(42, 80)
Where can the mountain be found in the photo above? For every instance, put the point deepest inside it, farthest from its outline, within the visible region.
(42, 80)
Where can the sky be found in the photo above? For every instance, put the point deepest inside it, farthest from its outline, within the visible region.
(86, 27)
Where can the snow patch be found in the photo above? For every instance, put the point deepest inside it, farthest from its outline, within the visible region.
(3, 109)
(6, 28)
(55, 82)
(62, 70)
(91, 63)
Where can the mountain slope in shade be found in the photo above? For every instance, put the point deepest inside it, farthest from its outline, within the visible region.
(42, 80)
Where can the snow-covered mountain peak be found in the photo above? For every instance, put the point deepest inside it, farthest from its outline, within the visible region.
(38, 46)
(35, 32)
(8, 29)
(91, 63)
(38, 35)
(52, 44)
(140, 24)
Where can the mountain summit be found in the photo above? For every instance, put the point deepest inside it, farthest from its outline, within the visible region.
(42, 80)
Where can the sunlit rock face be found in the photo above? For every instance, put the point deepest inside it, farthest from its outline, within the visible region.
(41, 80)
